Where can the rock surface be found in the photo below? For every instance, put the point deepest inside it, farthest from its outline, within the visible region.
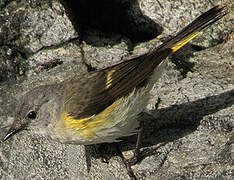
(189, 135)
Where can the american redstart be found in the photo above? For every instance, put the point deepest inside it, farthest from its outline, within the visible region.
(103, 105)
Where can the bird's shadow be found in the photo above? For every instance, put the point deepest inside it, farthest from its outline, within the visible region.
(168, 124)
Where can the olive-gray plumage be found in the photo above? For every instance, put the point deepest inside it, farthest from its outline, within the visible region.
(38, 101)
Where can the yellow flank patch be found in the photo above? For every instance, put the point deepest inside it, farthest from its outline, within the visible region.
(109, 78)
(184, 41)
(88, 126)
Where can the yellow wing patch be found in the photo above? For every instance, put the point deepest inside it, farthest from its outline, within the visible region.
(182, 42)
(87, 126)
(109, 78)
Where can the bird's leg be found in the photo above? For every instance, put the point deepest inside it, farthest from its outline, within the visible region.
(137, 153)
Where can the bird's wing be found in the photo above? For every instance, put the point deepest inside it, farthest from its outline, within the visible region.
(91, 93)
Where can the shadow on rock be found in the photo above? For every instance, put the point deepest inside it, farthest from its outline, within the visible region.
(172, 123)
(107, 17)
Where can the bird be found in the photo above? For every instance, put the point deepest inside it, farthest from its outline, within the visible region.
(102, 106)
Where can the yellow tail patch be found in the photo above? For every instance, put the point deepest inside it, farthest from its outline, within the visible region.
(184, 41)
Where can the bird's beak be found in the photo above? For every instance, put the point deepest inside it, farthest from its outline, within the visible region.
(11, 132)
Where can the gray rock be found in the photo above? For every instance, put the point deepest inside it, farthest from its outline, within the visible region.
(187, 136)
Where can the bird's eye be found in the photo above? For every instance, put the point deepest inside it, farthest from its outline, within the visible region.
(32, 115)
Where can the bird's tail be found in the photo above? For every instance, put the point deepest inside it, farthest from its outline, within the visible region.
(194, 28)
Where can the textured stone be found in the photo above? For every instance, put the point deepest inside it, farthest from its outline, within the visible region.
(189, 135)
